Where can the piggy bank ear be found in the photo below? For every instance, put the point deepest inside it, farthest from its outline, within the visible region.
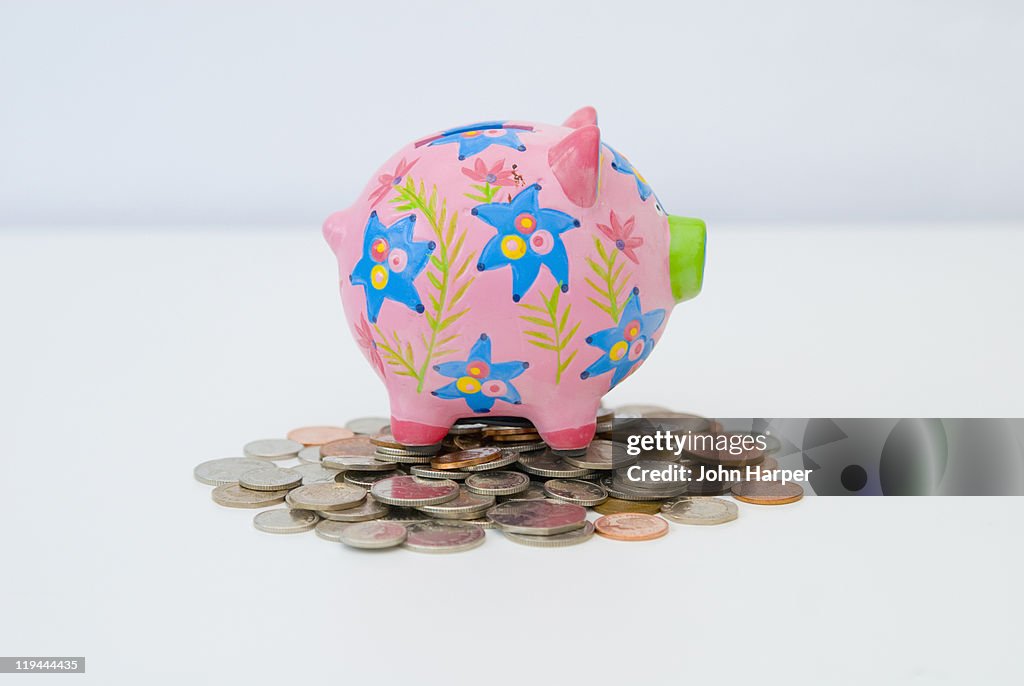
(584, 116)
(575, 161)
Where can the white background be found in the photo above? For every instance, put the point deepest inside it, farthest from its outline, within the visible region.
(122, 371)
(187, 304)
(142, 113)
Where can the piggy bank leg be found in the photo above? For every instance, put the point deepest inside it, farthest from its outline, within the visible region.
(570, 432)
(429, 431)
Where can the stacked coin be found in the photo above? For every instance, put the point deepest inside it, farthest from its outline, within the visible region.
(359, 486)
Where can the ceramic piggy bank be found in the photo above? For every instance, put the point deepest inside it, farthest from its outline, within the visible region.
(510, 269)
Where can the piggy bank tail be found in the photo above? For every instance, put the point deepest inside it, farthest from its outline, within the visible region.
(335, 228)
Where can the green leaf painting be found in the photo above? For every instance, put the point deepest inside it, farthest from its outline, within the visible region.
(609, 282)
(449, 279)
(547, 329)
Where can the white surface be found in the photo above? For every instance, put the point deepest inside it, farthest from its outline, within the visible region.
(130, 356)
(265, 112)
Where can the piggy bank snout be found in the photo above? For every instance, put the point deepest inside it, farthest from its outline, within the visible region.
(688, 238)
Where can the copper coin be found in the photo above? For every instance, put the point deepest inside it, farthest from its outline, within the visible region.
(767, 492)
(318, 435)
(615, 506)
(465, 458)
(631, 526)
(386, 440)
(356, 446)
(414, 491)
(724, 449)
(491, 431)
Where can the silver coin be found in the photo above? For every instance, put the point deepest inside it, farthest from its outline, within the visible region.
(582, 493)
(402, 458)
(373, 535)
(310, 454)
(523, 447)
(233, 495)
(363, 512)
(635, 496)
(538, 517)
(602, 454)
(467, 505)
(462, 429)
(498, 483)
(226, 470)
(482, 522)
(702, 511)
(546, 463)
(273, 449)
(385, 442)
(535, 491)
(270, 479)
(680, 422)
(331, 531)
(567, 538)
(405, 515)
(329, 497)
(443, 537)
(367, 479)
(414, 491)
(639, 411)
(507, 458)
(359, 463)
(285, 521)
(314, 473)
(367, 425)
(431, 473)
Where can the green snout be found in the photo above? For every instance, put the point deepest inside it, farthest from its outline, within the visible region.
(686, 256)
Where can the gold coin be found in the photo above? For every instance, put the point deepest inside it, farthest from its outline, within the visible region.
(616, 506)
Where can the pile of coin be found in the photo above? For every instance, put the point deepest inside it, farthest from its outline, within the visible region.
(357, 485)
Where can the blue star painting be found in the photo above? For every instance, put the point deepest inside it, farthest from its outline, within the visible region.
(626, 344)
(528, 236)
(624, 166)
(478, 380)
(476, 138)
(390, 262)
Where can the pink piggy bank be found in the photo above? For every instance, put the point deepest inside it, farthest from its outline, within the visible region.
(510, 269)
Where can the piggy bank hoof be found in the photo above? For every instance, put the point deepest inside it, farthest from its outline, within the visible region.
(416, 433)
